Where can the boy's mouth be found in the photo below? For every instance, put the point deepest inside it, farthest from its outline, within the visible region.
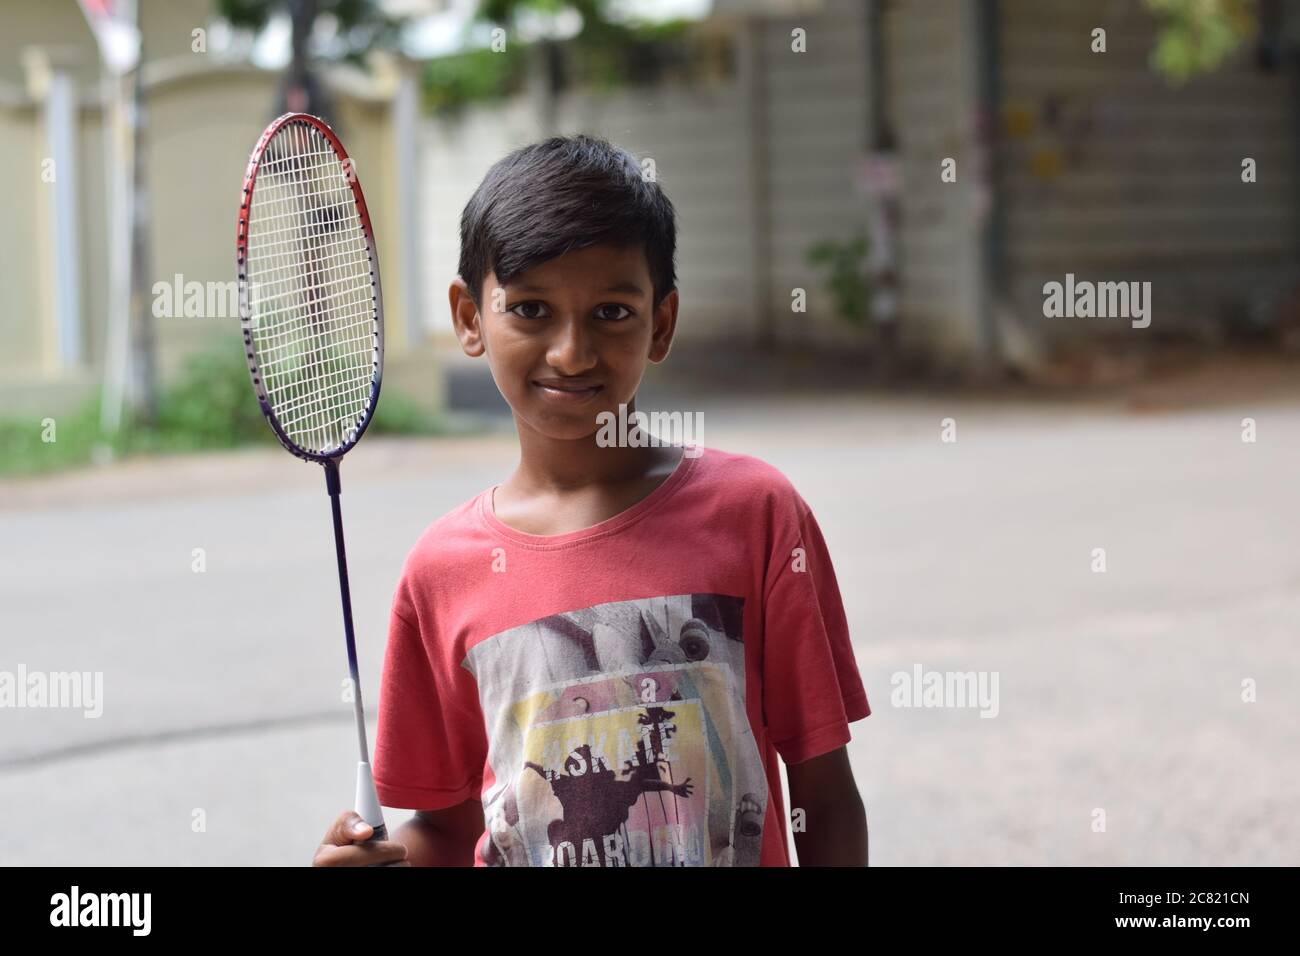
(561, 390)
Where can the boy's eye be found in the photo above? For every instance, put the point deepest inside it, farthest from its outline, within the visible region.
(610, 310)
(535, 310)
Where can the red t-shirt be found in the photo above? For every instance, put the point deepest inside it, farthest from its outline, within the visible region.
(618, 695)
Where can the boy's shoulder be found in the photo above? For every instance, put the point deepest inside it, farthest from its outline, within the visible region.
(746, 467)
(447, 535)
(738, 474)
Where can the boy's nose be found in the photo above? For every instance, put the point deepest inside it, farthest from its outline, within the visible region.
(572, 350)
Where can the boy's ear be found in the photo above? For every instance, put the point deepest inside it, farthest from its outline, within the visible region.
(665, 323)
(465, 318)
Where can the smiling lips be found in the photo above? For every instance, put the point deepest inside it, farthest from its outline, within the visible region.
(570, 391)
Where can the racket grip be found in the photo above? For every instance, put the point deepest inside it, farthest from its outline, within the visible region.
(367, 805)
(367, 802)
(381, 833)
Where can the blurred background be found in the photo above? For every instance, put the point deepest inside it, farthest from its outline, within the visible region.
(872, 196)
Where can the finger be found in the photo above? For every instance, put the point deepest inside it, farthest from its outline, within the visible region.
(361, 854)
(348, 828)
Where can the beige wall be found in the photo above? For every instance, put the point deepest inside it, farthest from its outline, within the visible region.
(203, 120)
(20, 327)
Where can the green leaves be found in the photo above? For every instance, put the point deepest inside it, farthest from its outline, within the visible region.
(847, 278)
(1196, 36)
(605, 54)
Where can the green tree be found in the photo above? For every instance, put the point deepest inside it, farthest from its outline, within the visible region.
(604, 53)
(361, 26)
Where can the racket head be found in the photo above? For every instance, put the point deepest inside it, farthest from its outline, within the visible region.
(311, 308)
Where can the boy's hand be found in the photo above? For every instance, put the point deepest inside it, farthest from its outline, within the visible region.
(345, 845)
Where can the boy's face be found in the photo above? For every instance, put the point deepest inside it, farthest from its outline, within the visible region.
(569, 338)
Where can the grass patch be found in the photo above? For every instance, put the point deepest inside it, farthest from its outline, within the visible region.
(209, 406)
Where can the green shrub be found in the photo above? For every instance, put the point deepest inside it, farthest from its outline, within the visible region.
(25, 451)
(210, 405)
(398, 415)
(847, 281)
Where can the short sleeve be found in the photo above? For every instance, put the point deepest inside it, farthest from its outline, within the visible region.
(430, 746)
(812, 690)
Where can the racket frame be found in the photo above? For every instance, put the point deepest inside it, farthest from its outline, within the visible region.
(245, 305)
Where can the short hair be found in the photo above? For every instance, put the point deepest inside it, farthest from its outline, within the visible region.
(559, 195)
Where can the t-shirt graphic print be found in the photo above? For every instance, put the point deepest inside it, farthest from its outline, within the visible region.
(620, 738)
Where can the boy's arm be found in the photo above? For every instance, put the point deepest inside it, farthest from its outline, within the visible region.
(835, 821)
(442, 837)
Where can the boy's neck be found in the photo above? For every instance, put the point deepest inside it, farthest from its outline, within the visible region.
(566, 485)
(551, 465)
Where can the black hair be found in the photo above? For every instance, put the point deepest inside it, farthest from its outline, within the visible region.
(562, 194)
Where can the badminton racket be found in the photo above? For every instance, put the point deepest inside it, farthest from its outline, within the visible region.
(313, 324)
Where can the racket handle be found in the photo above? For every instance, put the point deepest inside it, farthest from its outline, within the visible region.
(381, 833)
(367, 802)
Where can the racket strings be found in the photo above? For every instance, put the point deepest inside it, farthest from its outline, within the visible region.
(311, 291)
(302, 197)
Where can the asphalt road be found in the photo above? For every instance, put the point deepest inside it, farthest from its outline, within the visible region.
(1118, 691)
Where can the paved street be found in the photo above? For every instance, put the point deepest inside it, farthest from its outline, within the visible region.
(1119, 691)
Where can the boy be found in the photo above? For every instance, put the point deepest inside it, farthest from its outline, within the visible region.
(598, 661)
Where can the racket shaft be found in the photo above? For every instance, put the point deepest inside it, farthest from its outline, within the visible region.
(345, 593)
